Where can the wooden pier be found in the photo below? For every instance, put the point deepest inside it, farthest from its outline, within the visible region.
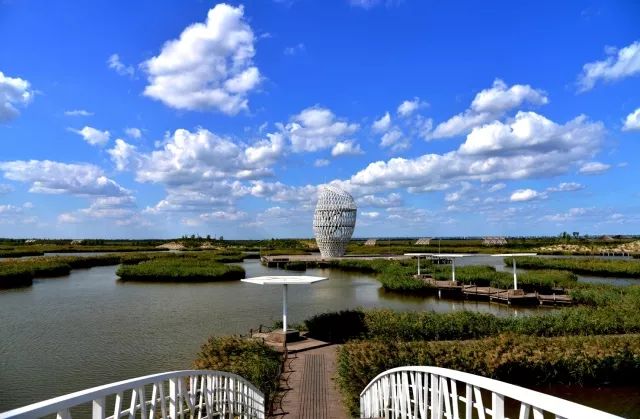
(498, 295)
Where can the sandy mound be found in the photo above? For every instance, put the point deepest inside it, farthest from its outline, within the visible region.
(171, 246)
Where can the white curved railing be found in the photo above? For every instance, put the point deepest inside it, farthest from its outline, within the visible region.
(435, 393)
(176, 394)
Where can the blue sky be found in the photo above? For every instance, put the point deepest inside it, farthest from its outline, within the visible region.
(158, 119)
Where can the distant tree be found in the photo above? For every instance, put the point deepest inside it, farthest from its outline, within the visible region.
(208, 236)
(576, 234)
(221, 238)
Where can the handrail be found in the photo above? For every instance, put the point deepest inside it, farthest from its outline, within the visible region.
(421, 392)
(208, 392)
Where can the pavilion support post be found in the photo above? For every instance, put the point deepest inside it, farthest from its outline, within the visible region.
(515, 276)
(453, 269)
(284, 308)
(418, 265)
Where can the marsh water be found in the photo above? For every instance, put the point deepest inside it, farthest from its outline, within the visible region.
(88, 328)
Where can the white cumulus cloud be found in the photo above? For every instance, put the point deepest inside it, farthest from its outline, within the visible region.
(210, 66)
(408, 107)
(14, 92)
(632, 122)
(488, 105)
(522, 195)
(618, 65)
(345, 148)
(93, 136)
(594, 168)
(53, 177)
(317, 128)
(321, 163)
(133, 132)
(530, 146)
(382, 124)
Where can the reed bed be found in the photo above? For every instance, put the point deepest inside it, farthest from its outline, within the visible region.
(182, 269)
(587, 266)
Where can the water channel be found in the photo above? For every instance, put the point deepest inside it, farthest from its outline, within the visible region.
(88, 328)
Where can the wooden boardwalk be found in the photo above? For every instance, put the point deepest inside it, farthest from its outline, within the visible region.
(308, 388)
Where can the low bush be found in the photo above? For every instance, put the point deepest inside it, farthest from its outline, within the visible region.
(337, 327)
(251, 359)
(518, 359)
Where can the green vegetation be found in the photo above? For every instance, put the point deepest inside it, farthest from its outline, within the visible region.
(199, 267)
(21, 272)
(587, 266)
(517, 359)
(251, 359)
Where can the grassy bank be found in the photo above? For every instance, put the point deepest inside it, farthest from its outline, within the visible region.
(517, 359)
(251, 359)
(585, 266)
(541, 281)
(181, 268)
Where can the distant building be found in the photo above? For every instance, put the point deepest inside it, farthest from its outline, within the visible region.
(77, 241)
(370, 242)
(424, 241)
(494, 241)
(30, 241)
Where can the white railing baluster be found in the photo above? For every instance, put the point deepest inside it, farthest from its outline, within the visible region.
(143, 403)
(173, 398)
(468, 407)
(98, 408)
(454, 399)
(63, 414)
(132, 407)
(497, 406)
(525, 411)
(117, 406)
(163, 401)
(479, 403)
(154, 401)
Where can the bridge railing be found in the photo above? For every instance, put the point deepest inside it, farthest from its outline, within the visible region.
(434, 393)
(178, 394)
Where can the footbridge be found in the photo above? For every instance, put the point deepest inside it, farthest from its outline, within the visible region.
(408, 392)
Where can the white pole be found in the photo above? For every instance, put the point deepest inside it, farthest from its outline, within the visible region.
(418, 265)
(453, 269)
(284, 308)
(515, 276)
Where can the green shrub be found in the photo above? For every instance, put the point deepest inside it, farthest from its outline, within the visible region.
(251, 359)
(337, 327)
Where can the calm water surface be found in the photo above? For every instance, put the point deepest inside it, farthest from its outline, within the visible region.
(86, 329)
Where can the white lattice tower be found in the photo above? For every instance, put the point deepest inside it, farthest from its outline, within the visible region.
(334, 221)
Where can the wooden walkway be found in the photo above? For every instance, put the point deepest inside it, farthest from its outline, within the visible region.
(308, 388)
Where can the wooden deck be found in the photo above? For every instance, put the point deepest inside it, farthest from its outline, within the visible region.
(515, 297)
(471, 291)
(308, 388)
(555, 299)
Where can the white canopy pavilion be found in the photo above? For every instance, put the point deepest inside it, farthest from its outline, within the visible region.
(285, 281)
